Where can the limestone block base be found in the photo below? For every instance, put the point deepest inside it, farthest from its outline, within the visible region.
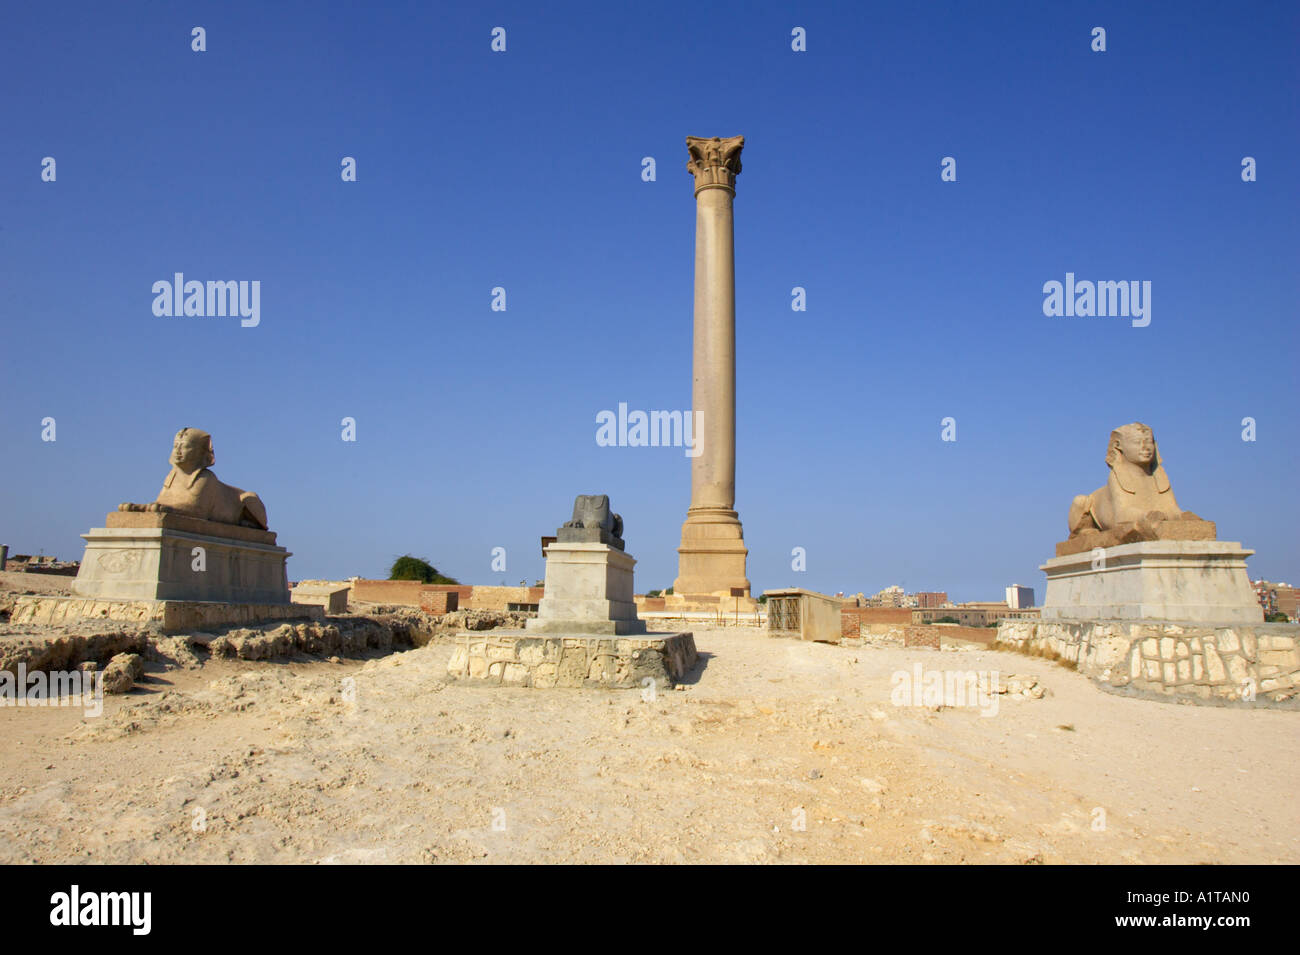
(1179, 580)
(1221, 663)
(152, 556)
(171, 616)
(711, 560)
(588, 590)
(523, 658)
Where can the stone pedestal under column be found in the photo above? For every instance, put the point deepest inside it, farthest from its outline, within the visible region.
(712, 557)
(1195, 581)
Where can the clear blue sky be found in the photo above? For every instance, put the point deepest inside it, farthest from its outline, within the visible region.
(523, 170)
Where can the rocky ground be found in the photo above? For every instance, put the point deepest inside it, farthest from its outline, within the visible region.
(776, 751)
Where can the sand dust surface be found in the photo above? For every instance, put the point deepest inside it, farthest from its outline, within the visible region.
(775, 751)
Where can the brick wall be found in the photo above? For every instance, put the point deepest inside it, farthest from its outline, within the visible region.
(973, 634)
(439, 601)
(464, 593)
(499, 598)
(853, 618)
(410, 593)
(929, 635)
(921, 637)
(405, 592)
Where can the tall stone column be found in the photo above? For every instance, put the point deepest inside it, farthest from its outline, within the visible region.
(712, 556)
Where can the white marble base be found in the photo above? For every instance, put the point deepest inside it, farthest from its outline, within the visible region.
(588, 591)
(1192, 581)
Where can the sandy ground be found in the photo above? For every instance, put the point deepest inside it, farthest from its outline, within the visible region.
(17, 582)
(294, 762)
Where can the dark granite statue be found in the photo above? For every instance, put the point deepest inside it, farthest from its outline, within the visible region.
(593, 522)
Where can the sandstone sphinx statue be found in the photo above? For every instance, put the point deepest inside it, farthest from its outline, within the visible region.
(1136, 504)
(194, 491)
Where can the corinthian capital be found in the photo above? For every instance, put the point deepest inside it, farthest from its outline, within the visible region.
(714, 162)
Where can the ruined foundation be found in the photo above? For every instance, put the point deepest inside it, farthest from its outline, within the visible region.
(523, 658)
(170, 616)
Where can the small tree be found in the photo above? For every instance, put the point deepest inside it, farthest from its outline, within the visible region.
(407, 567)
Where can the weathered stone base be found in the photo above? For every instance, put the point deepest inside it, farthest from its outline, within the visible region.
(1202, 582)
(171, 616)
(1202, 663)
(609, 628)
(166, 556)
(588, 590)
(712, 557)
(523, 658)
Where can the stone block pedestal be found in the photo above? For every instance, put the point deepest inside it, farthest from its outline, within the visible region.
(1197, 581)
(588, 591)
(152, 556)
(711, 559)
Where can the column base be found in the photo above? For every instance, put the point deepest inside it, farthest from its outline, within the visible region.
(711, 560)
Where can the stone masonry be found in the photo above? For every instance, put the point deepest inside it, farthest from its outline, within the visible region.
(544, 661)
(1224, 662)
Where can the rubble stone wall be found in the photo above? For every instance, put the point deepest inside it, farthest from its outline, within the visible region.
(1229, 662)
(519, 659)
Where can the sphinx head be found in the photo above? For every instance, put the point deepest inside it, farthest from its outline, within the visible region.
(1136, 444)
(192, 450)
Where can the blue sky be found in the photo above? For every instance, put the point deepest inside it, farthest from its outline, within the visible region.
(522, 169)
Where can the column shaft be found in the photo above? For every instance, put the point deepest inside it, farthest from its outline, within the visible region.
(713, 391)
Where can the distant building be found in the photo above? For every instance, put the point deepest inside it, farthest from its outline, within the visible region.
(889, 597)
(1020, 598)
(896, 597)
(1276, 598)
(973, 614)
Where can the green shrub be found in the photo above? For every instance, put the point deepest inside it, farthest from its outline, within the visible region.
(407, 567)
